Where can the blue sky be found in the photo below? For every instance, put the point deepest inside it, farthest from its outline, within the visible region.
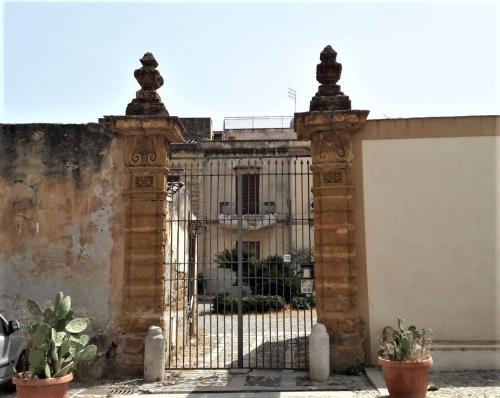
(74, 62)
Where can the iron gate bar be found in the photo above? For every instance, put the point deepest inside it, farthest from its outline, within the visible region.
(240, 266)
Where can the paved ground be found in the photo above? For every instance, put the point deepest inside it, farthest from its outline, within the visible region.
(283, 384)
(271, 340)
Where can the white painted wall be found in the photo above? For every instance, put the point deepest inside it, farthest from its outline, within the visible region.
(432, 251)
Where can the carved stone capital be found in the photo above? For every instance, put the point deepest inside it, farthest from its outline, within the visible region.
(308, 124)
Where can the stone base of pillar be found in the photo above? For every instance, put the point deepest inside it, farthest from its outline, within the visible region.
(346, 352)
(129, 359)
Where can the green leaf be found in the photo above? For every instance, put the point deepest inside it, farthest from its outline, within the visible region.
(65, 346)
(62, 309)
(405, 344)
(75, 347)
(59, 298)
(88, 352)
(36, 358)
(33, 307)
(57, 337)
(82, 340)
(53, 354)
(77, 325)
(68, 358)
(41, 333)
(48, 316)
(69, 316)
(401, 324)
(64, 371)
(47, 371)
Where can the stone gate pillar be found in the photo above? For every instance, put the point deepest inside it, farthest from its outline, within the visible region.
(329, 125)
(145, 135)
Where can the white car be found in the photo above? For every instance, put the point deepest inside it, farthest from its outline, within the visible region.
(12, 349)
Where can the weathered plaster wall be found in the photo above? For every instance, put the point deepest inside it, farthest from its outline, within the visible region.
(57, 200)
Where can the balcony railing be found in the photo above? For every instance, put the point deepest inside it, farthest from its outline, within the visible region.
(249, 222)
(258, 122)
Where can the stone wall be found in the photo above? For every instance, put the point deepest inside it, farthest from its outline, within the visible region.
(60, 188)
(197, 128)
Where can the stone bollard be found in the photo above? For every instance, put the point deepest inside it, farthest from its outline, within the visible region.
(154, 355)
(319, 353)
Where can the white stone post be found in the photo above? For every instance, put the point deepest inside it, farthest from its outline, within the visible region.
(319, 353)
(154, 355)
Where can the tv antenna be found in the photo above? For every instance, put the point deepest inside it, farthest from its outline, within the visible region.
(292, 94)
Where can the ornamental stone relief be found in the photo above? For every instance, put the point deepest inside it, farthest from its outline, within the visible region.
(144, 182)
(336, 147)
(333, 177)
(145, 151)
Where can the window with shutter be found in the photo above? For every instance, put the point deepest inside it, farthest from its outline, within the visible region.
(250, 199)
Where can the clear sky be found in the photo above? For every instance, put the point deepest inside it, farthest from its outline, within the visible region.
(73, 62)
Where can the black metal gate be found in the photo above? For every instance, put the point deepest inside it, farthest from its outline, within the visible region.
(240, 265)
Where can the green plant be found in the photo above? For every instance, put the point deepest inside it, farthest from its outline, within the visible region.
(275, 277)
(302, 257)
(405, 344)
(304, 301)
(56, 343)
(269, 277)
(229, 259)
(226, 303)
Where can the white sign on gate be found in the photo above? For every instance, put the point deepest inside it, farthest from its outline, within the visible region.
(287, 258)
(307, 286)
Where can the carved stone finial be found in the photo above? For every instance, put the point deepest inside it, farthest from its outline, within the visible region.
(147, 102)
(329, 97)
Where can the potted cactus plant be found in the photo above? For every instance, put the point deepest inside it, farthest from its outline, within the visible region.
(404, 355)
(56, 344)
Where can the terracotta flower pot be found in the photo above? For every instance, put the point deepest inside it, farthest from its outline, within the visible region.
(43, 388)
(406, 379)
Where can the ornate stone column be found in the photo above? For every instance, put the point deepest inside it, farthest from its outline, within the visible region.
(329, 125)
(146, 133)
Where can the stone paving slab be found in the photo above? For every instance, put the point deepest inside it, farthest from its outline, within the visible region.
(252, 384)
(477, 384)
(299, 394)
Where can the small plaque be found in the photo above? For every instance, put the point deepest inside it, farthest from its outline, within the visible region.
(287, 258)
(307, 286)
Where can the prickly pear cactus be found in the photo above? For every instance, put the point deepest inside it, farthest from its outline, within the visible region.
(405, 344)
(57, 342)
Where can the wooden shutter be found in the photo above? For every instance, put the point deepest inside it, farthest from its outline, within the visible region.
(250, 193)
(250, 190)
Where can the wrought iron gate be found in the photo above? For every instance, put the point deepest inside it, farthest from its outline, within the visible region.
(240, 265)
